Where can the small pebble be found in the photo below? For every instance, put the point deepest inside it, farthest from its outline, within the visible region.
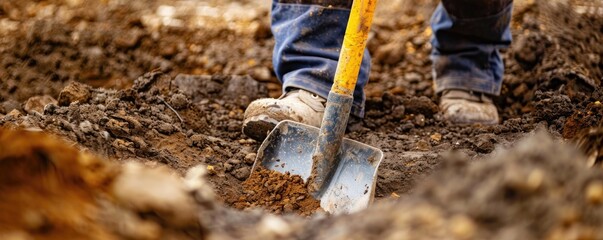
(594, 193)
(462, 227)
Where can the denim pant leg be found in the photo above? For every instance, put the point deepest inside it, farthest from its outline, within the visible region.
(308, 37)
(467, 36)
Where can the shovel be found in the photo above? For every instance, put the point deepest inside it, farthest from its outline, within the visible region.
(340, 172)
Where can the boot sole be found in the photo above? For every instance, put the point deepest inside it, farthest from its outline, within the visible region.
(258, 127)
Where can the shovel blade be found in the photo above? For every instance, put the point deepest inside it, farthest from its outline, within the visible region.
(289, 148)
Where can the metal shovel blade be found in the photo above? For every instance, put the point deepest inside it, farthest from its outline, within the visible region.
(289, 148)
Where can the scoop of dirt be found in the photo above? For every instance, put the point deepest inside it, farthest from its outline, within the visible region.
(278, 193)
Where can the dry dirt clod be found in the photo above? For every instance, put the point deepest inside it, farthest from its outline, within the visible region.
(37, 103)
(277, 192)
(390, 54)
(436, 137)
(242, 173)
(462, 227)
(9, 105)
(86, 127)
(14, 114)
(196, 183)
(73, 92)
(594, 192)
(274, 226)
(179, 101)
(168, 197)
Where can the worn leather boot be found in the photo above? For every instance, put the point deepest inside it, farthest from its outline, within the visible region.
(466, 107)
(297, 105)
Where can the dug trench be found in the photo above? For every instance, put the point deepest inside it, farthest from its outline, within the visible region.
(552, 82)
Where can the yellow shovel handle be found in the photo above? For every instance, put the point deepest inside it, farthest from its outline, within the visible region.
(354, 42)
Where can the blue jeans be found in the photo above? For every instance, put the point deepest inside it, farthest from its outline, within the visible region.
(309, 33)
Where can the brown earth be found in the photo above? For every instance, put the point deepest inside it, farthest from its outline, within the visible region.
(51, 190)
(135, 106)
(277, 192)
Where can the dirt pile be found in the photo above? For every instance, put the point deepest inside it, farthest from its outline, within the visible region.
(540, 189)
(53, 191)
(554, 66)
(278, 193)
(180, 122)
(46, 44)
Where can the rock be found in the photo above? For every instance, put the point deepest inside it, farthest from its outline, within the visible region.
(263, 30)
(250, 158)
(423, 145)
(153, 81)
(462, 227)
(436, 137)
(405, 127)
(485, 143)
(168, 49)
(594, 193)
(390, 54)
(50, 108)
(228, 167)
(398, 112)
(418, 41)
(74, 92)
(420, 105)
(199, 87)
(14, 114)
(128, 39)
(37, 103)
(117, 128)
(419, 120)
(529, 49)
(86, 127)
(274, 89)
(242, 173)
(195, 181)
(413, 77)
(244, 89)
(9, 105)
(274, 227)
(520, 90)
(262, 74)
(168, 197)
(165, 128)
(179, 101)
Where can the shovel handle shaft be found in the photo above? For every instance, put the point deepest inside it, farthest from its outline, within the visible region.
(354, 43)
(339, 101)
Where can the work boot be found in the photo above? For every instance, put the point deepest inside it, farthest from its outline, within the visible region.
(298, 105)
(466, 107)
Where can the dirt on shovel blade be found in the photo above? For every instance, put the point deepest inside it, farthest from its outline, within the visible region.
(278, 193)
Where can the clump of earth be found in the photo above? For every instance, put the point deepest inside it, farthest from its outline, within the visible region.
(279, 193)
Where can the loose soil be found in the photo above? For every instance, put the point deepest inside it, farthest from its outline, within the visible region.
(277, 192)
(157, 83)
(51, 190)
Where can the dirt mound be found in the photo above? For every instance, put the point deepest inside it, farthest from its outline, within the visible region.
(553, 66)
(109, 43)
(278, 193)
(51, 190)
(540, 189)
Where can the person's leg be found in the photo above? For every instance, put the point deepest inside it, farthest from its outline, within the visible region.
(467, 36)
(308, 36)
